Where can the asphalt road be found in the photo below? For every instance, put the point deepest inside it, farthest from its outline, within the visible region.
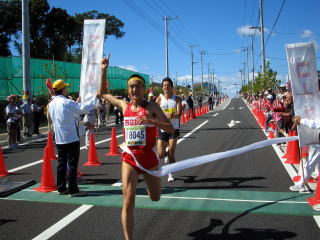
(242, 197)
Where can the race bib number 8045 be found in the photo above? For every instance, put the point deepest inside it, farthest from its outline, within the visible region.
(135, 135)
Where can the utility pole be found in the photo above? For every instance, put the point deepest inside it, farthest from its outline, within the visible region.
(202, 52)
(176, 79)
(246, 68)
(26, 48)
(192, 62)
(213, 80)
(209, 80)
(247, 59)
(252, 52)
(261, 29)
(262, 38)
(166, 42)
(244, 74)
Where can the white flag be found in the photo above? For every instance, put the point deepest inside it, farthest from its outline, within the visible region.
(92, 52)
(305, 85)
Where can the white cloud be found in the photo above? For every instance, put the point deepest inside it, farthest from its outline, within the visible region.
(247, 30)
(307, 34)
(130, 67)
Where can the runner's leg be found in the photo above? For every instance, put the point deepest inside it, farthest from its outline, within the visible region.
(172, 150)
(154, 186)
(161, 148)
(129, 185)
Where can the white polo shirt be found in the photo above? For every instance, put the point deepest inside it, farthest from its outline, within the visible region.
(64, 112)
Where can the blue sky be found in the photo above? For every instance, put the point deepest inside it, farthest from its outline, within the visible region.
(214, 26)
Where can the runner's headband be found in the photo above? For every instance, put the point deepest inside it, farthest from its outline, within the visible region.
(136, 79)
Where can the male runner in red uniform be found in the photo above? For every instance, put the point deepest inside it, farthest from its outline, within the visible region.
(141, 118)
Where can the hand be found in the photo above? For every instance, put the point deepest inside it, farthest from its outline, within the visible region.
(297, 119)
(48, 83)
(168, 115)
(78, 99)
(105, 62)
(144, 120)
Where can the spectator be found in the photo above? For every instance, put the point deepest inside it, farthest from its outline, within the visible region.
(190, 105)
(12, 119)
(118, 114)
(89, 122)
(151, 97)
(36, 111)
(313, 159)
(210, 101)
(27, 118)
(17, 103)
(101, 113)
(64, 113)
(199, 100)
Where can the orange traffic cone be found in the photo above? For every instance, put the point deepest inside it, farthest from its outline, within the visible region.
(294, 157)
(52, 154)
(3, 170)
(182, 118)
(113, 144)
(47, 178)
(316, 198)
(191, 116)
(92, 154)
(289, 144)
(271, 133)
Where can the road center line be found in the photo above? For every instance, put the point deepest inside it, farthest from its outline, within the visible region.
(63, 222)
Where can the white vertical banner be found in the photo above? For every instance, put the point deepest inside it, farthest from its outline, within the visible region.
(92, 52)
(305, 85)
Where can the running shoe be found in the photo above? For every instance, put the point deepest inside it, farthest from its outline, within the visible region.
(65, 192)
(170, 177)
(78, 194)
(299, 188)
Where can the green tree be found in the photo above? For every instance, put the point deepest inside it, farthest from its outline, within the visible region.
(262, 81)
(53, 32)
(10, 23)
(113, 28)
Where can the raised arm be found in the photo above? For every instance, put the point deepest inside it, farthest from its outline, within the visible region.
(103, 87)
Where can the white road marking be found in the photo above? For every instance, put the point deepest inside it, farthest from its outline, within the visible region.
(189, 133)
(63, 223)
(117, 184)
(228, 199)
(232, 123)
(216, 114)
(206, 198)
(226, 104)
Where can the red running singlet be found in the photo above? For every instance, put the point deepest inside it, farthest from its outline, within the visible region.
(140, 139)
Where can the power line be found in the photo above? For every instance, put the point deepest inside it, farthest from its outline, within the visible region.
(151, 22)
(275, 22)
(143, 15)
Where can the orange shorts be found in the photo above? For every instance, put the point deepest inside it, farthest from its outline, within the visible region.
(147, 159)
